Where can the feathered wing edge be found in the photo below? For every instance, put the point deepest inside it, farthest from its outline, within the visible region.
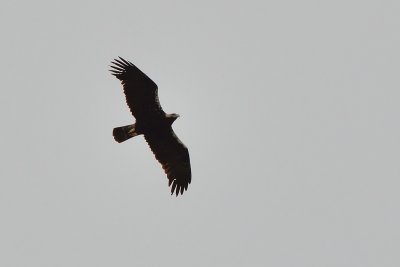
(141, 92)
(182, 166)
(120, 67)
(173, 155)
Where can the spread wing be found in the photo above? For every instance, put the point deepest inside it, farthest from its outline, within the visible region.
(173, 156)
(140, 91)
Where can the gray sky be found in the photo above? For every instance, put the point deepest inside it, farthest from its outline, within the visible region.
(290, 110)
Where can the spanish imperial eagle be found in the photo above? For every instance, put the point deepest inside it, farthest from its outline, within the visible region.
(151, 121)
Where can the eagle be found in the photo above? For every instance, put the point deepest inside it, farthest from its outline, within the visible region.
(153, 123)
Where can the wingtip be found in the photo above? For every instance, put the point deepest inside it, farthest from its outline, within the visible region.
(177, 189)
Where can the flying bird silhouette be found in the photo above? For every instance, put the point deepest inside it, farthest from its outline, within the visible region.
(152, 122)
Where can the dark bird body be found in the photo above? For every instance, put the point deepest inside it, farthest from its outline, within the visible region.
(152, 122)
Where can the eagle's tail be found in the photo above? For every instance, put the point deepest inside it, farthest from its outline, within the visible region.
(123, 133)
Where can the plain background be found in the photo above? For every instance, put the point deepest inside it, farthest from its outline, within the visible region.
(290, 110)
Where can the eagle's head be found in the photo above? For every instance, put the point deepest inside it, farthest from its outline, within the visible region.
(172, 117)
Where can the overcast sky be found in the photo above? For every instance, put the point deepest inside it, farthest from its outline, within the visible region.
(290, 110)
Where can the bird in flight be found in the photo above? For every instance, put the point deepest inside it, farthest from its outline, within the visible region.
(153, 123)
